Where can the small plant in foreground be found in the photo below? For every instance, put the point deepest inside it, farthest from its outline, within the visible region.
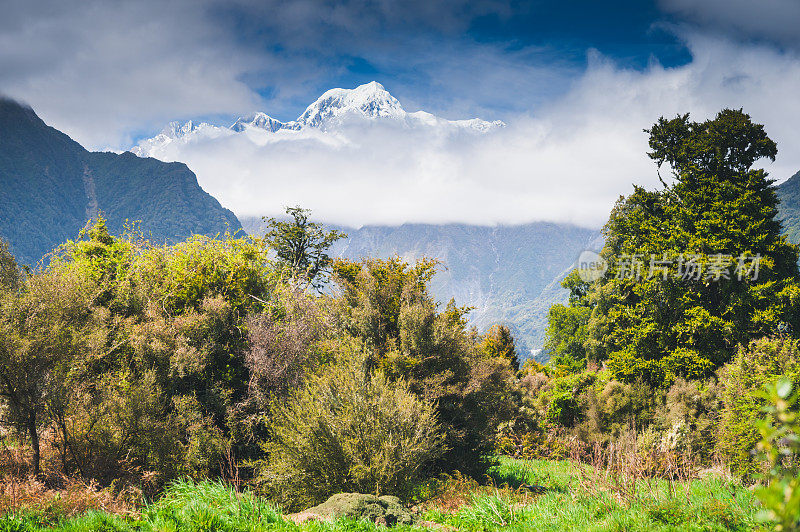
(721, 512)
(669, 512)
(490, 512)
(780, 444)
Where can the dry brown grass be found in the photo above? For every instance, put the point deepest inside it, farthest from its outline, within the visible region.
(73, 497)
(52, 492)
(624, 470)
(450, 492)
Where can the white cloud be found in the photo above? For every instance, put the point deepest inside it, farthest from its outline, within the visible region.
(100, 70)
(106, 72)
(569, 162)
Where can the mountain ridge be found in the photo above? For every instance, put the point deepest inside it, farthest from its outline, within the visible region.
(789, 207)
(51, 186)
(332, 110)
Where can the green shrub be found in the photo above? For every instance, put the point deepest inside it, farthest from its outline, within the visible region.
(347, 431)
(387, 305)
(563, 408)
(694, 405)
(780, 446)
(721, 512)
(668, 512)
(560, 400)
(742, 382)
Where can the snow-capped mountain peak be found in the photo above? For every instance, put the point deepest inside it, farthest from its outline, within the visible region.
(176, 129)
(370, 100)
(257, 120)
(181, 132)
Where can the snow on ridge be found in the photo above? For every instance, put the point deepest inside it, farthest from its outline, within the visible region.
(370, 100)
(330, 111)
(257, 120)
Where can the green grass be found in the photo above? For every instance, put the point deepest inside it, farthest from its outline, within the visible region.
(708, 505)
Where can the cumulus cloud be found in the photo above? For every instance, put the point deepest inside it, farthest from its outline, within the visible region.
(109, 72)
(101, 70)
(568, 162)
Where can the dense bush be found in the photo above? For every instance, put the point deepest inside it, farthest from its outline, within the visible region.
(560, 401)
(386, 304)
(743, 382)
(348, 430)
(681, 291)
(133, 356)
(145, 363)
(286, 342)
(693, 409)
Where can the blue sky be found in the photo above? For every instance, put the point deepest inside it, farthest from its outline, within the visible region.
(576, 82)
(402, 46)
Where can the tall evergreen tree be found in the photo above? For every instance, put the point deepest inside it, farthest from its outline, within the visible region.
(699, 267)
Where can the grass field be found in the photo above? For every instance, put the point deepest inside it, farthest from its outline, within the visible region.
(549, 495)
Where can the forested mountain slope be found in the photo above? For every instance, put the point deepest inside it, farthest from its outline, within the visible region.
(789, 208)
(50, 186)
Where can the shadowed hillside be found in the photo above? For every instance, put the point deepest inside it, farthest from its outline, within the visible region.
(789, 208)
(50, 186)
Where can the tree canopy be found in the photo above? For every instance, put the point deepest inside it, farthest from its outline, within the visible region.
(301, 245)
(695, 269)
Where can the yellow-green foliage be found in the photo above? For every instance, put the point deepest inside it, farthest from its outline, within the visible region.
(387, 305)
(182, 276)
(499, 343)
(46, 327)
(743, 381)
(348, 430)
(134, 355)
(780, 447)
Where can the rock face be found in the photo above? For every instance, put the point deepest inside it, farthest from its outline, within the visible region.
(386, 510)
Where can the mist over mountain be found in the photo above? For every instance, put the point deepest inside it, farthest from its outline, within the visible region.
(50, 186)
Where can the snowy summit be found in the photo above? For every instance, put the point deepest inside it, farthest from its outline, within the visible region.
(368, 102)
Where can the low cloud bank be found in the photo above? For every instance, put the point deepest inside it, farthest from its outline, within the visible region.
(568, 163)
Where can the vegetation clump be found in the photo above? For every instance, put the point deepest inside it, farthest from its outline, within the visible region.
(347, 431)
